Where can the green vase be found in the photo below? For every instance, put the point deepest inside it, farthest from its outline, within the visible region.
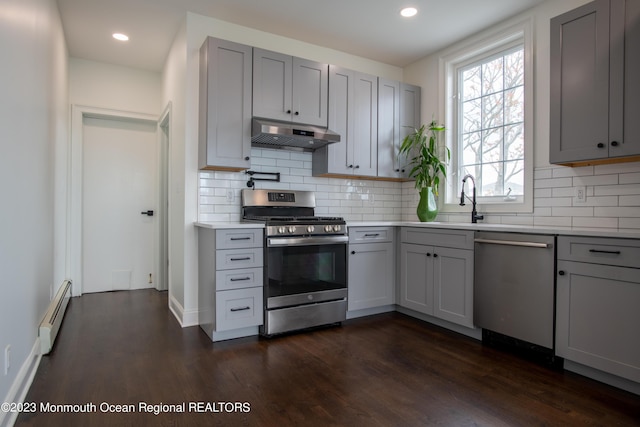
(427, 207)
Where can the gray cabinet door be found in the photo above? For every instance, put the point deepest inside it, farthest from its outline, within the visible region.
(410, 118)
(352, 114)
(272, 85)
(625, 84)
(225, 105)
(595, 91)
(597, 317)
(289, 89)
(453, 285)
(371, 273)
(388, 128)
(365, 130)
(579, 121)
(416, 277)
(310, 92)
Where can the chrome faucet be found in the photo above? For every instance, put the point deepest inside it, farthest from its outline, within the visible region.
(474, 213)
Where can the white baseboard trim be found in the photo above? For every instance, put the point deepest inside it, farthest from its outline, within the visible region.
(21, 385)
(186, 318)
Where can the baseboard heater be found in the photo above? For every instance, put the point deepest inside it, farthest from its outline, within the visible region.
(50, 325)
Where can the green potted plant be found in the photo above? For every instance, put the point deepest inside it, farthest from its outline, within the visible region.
(427, 166)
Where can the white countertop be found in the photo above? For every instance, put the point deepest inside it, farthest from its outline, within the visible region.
(232, 224)
(566, 231)
(506, 228)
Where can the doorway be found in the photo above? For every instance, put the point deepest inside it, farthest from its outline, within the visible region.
(116, 219)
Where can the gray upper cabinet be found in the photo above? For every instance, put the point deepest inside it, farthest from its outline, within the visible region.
(353, 113)
(595, 92)
(224, 105)
(398, 116)
(289, 89)
(389, 129)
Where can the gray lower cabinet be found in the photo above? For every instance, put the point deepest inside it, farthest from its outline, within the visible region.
(289, 89)
(598, 295)
(595, 91)
(436, 273)
(224, 134)
(371, 267)
(353, 113)
(230, 292)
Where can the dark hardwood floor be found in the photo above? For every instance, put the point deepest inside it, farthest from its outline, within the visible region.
(122, 348)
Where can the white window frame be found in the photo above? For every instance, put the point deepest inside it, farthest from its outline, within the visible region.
(486, 44)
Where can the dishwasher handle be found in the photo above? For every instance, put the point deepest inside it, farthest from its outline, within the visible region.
(514, 243)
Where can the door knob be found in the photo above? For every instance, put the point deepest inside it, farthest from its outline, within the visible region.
(148, 213)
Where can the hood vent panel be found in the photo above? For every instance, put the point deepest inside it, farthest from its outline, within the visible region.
(276, 134)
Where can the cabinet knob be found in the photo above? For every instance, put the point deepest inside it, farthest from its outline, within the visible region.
(353, 252)
(428, 253)
(402, 170)
(247, 158)
(288, 111)
(435, 255)
(297, 113)
(350, 166)
(561, 273)
(614, 143)
(600, 145)
(397, 170)
(357, 167)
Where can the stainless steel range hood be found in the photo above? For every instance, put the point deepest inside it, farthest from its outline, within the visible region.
(277, 134)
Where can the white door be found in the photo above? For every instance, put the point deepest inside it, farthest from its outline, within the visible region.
(119, 183)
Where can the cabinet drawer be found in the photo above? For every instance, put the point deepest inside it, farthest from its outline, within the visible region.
(238, 279)
(370, 234)
(620, 252)
(238, 308)
(239, 258)
(459, 239)
(239, 238)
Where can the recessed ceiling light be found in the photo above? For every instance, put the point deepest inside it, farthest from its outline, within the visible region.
(408, 12)
(121, 37)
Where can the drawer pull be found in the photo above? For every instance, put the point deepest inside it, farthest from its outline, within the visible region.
(238, 279)
(247, 258)
(372, 235)
(598, 251)
(241, 238)
(241, 308)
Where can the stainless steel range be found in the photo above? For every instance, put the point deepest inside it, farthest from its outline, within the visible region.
(305, 260)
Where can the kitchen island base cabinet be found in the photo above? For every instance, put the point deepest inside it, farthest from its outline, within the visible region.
(230, 292)
(597, 305)
(436, 274)
(371, 270)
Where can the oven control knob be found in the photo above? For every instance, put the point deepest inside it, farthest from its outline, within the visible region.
(310, 228)
(292, 229)
(337, 228)
(328, 228)
(281, 230)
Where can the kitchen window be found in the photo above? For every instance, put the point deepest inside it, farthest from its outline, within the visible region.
(489, 119)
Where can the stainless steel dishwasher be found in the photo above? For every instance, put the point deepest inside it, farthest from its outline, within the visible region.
(514, 291)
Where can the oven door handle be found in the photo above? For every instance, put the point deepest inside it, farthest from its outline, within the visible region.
(307, 241)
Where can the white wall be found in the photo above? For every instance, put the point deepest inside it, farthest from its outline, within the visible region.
(34, 121)
(174, 84)
(102, 85)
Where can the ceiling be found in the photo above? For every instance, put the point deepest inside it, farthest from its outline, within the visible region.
(368, 28)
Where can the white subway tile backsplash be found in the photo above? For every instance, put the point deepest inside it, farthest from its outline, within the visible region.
(596, 180)
(629, 201)
(613, 194)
